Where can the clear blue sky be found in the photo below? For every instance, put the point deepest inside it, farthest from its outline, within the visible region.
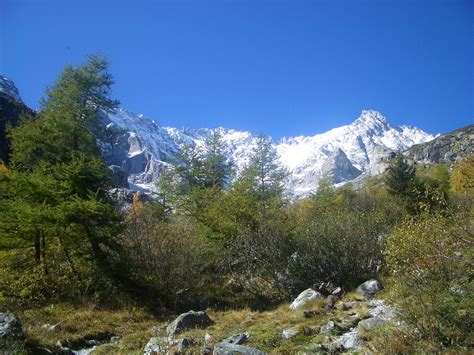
(283, 68)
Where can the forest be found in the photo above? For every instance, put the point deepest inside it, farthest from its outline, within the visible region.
(214, 239)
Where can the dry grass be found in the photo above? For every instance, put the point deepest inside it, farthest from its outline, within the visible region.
(134, 326)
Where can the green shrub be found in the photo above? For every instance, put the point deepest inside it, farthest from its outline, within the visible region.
(430, 258)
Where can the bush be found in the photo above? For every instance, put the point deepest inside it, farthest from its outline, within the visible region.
(339, 246)
(430, 258)
(167, 258)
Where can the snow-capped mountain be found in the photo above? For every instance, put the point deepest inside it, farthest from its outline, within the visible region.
(142, 149)
(138, 149)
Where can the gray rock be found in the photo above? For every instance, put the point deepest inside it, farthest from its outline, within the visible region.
(234, 349)
(348, 341)
(337, 292)
(370, 323)
(447, 148)
(237, 338)
(10, 326)
(348, 323)
(305, 297)
(158, 345)
(115, 339)
(327, 327)
(339, 167)
(369, 288)
(330, 303)
(289, 333)
(119, 177)
(11, 334)
(188, 320)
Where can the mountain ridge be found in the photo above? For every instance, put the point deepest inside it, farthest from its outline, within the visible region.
(137, 147)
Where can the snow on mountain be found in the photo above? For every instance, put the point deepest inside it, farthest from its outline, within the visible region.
(142, 149)
(8, 87)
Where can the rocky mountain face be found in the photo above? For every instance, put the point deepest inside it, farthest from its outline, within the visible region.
(137, 148)
(447, 148)
(11, 108)
(143, 149)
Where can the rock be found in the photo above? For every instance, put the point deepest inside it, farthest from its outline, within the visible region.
(337, 292)
(115, 339)
(158, 345)
(327, 327)
(369, 288)
(370, 323)
(119, 177)
(381, 310)
(234, 349)
(348, 340)
(10, 331)
(305, 297)
(188, 320)
(289, 333)
(237, 338)
(156, 330)
(331, 302)
(348, 323)
(349, 305)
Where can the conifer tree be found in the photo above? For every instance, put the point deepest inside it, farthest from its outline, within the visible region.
(55, 191)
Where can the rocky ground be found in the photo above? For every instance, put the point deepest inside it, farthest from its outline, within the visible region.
(313, 322)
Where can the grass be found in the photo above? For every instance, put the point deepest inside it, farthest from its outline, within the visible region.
(73, 325)
(134, 326)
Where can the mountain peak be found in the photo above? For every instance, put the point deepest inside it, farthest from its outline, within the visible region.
(8, 87)
(371, 118)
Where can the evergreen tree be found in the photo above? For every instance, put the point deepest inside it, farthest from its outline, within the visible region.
(266, 176)
(217, 168)
(401, 178)
(54, 196)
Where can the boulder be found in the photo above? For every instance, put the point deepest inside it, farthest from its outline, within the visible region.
(289, 333)
(11, 333)
(327, 327)
(234, 349)
(348, 323)
(370, 323)
(158, 345)
(237, 338)
(305, 297)
(330, 303)
(348, 340)
(369, 288)
(188, 320)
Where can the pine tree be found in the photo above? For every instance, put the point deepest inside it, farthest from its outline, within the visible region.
(401, 178)
(217, 168)
(54, 195)
(267, 177)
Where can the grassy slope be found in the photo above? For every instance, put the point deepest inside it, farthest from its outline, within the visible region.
(135, 326)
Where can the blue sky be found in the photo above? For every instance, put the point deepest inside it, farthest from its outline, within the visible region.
(283, 68)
